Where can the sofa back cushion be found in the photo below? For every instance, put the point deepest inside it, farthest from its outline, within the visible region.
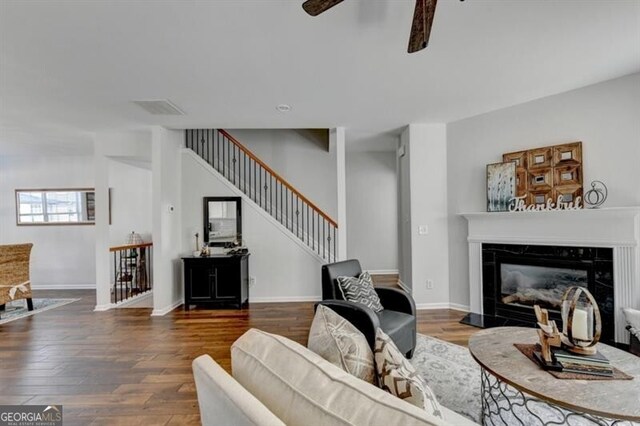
(301, 388)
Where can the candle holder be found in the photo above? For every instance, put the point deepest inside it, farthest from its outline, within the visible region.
(581, 321)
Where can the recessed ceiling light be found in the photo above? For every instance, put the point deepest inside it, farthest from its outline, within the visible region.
(283, 108)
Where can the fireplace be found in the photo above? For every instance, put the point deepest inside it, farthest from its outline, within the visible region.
(516, 277)
(607, 238)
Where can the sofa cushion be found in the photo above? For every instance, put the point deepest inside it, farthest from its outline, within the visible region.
(302, 388)
(221, 397)
(342, 344)
(398, 377)
(360, 290)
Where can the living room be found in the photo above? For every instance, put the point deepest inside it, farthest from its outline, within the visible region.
(331, 142)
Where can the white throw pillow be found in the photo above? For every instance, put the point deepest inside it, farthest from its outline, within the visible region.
(397, 376)
(342, 344)
(360, 290)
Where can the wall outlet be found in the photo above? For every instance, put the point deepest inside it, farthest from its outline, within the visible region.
(252, 281)
(423, 230)
(429, 284)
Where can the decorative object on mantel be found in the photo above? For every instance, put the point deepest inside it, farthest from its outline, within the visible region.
(597, 195)
(501, 186)
(552, 172)
(581, 321)
(519, 205)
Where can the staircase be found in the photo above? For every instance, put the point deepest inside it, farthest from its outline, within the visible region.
(267, 189)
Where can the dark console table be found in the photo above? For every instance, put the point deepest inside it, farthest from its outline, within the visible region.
(216, 281)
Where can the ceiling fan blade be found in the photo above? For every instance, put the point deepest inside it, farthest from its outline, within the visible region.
(316, 7)
(422, 22)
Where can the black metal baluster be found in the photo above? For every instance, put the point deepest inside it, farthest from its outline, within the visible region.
(197, 145)
(210, 145)
(324, 238)
(334, 243)
(115, 276)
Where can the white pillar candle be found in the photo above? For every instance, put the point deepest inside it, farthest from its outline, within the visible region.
(580, 325)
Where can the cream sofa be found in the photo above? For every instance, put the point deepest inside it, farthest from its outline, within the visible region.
(279, 382)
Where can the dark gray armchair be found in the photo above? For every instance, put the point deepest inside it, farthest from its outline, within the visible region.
(397, 319)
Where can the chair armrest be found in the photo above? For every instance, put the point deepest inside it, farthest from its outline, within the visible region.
(362, 317)
(395, 299)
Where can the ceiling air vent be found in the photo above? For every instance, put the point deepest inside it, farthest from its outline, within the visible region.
(159, 107)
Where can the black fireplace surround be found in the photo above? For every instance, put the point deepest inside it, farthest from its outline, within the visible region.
(547, 270)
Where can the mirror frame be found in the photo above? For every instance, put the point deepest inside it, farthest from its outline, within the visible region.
(205, 218)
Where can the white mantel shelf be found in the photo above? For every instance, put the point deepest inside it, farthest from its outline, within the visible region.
(608, 227)
(614, 227)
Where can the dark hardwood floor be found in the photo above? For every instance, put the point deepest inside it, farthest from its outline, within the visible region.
(125, 367)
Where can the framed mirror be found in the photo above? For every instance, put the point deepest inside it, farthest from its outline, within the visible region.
(222, 220)
(76, 206)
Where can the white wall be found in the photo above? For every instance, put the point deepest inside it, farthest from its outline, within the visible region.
(300, 159)
(283, 267)
(427, 156)
(133, 147)
(166, 148)
(130, 201)
(62, 256)
(372, 212)
(605, 117)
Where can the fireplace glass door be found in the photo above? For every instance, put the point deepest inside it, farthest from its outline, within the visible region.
(528, 285)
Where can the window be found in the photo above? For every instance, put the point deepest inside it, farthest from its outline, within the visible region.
(55, 206)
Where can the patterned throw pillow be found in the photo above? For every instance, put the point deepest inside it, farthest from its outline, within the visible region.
(360, 290)
(341, 343)
(398, 377)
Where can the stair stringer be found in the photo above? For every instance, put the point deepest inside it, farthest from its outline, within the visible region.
(249, 202)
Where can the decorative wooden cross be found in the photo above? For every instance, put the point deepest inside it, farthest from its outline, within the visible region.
(548, 333)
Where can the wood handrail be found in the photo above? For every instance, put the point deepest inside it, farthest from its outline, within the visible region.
(130, 246)
(277, 176)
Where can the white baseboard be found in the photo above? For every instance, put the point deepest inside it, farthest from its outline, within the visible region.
(102, 308)
(443, 305)
(136, 300)
(459, 307)
(285, 299)
(383, 271)
(404, 287)
(166, 310)
(63, 287)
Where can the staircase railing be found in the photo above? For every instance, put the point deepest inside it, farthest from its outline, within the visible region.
(266, 188)
(132, 272)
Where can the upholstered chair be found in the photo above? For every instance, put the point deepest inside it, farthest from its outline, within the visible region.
(14, 274)
(397, 319)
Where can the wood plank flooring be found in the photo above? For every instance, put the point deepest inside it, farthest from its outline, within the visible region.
(123, 367)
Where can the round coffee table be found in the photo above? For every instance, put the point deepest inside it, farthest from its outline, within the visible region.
(516, 391)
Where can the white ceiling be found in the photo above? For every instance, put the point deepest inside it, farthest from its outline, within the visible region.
(68, 68)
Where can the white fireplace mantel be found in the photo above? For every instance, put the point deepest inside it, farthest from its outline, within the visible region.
(617, 228)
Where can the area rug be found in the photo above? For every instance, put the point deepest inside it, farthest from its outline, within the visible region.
(451, 373)
(454, 377)
(18, 309)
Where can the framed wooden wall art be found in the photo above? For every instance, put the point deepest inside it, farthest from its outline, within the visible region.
(548, 173)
